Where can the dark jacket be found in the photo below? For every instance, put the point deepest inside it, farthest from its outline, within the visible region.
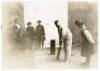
(87, 48)
(30, 33)
(40, 33)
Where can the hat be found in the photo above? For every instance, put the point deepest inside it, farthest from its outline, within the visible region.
(79, 22)
(29, 23)
(39, 21)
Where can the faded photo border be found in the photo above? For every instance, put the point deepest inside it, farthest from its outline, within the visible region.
(54, 69)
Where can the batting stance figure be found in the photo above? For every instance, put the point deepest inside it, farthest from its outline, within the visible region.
(65, 38)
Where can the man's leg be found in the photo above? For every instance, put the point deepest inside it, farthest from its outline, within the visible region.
(88, 60)
(59, 49)
(31, 45)
(65, 49)
(42, 44)
(69, 50)
(39, 44)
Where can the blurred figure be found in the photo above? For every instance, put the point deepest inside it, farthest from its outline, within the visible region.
(65, 37)
(17, 30)
(30, 35)
(87, 48)
(16, 34)
(40, 34)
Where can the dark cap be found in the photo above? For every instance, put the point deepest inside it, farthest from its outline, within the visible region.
(79, 22)
(29, 23)
(56, 21)
(39, 21)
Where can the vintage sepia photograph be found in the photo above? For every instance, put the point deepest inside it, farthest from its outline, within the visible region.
(49, 35)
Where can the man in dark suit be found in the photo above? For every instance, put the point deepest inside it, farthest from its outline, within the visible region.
(30, 35)
(87, 48)
(40, 34)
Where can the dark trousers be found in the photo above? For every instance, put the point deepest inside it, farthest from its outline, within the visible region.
(64, 48)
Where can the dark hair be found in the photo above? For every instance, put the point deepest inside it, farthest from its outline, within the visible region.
(76, 22)
(39, 21)
(56, 22)
(79, 22)
(29, 23)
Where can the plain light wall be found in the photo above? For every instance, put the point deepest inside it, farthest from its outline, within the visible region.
(48, 12)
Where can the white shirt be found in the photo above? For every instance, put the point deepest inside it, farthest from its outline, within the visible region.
(88, 35)
(67, 34)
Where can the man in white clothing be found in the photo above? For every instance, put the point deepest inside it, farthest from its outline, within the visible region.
(65, 38)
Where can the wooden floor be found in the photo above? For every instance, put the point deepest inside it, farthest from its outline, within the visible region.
(41, 59)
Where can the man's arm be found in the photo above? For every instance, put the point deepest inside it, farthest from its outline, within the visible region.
(88, 36)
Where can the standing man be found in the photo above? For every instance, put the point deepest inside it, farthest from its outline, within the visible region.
(40, 34)
(30, 35)
(65, 37)
(87, 48)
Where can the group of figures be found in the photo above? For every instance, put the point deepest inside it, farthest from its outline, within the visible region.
(26, 39)
(37, 36)
(65, 39)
